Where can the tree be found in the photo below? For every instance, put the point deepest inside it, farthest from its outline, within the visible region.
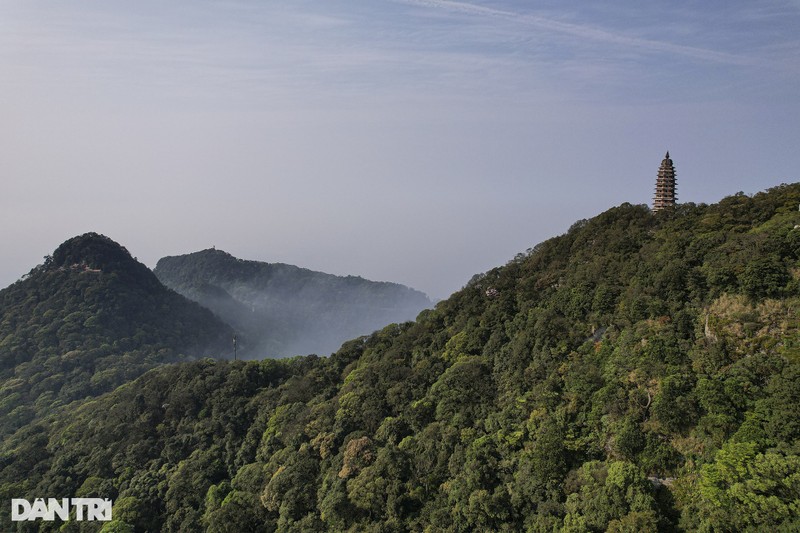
(744, 488)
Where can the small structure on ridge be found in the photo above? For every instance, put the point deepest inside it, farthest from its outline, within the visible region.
(665, 186)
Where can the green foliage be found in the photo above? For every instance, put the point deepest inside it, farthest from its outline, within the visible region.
(674, 407)
(610, 497)
(745, 489)
(88, 320)
(117, 526)
(638, 373)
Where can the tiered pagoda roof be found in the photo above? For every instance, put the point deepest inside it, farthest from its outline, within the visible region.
(666, 195)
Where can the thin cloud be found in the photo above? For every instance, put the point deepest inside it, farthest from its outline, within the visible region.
(585, 32)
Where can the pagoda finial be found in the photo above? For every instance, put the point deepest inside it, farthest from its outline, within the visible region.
(667, 156)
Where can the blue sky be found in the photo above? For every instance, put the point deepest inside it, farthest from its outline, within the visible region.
(418, 141)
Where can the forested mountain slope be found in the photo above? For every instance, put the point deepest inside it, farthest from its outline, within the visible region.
(88, 320)
(282, 310)
(639, 373)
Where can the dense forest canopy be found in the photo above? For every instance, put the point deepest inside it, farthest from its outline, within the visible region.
(639, 373)
(282, 310)
(88, 320)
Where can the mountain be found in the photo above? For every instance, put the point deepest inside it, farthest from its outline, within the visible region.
(88, 320)
(282, 310)
(639, 373)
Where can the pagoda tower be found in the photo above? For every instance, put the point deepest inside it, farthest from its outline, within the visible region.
(665, 186)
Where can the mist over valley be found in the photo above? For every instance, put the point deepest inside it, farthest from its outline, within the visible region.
(280, 310)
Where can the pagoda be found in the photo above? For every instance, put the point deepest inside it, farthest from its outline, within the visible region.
(665, 186)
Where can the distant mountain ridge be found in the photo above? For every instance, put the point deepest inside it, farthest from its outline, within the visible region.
(639, 373)
(284, 310)
(88, 320)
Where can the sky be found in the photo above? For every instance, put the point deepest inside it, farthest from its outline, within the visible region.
(415, 141)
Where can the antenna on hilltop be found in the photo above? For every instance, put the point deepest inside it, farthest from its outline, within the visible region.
(234, 346)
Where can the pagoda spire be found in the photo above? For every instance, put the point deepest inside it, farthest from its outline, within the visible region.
(665, 195)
